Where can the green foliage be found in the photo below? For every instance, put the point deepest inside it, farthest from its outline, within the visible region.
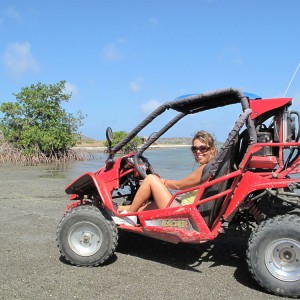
(132, 145)
(36, 121)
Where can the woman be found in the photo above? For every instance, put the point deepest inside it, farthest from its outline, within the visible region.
(157, 189)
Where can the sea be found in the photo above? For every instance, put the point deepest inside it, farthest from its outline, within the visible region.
(172, 163)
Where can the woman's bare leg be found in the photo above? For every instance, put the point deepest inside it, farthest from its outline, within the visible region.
(153, 187)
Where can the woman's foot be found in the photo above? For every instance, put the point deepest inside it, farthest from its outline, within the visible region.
(128, 220)
(122, 208)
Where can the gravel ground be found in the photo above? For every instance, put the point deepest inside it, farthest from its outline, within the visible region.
(32, 204)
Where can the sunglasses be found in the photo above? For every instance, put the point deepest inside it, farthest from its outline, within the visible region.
(202, 149)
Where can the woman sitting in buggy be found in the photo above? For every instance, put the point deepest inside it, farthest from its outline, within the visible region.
(154, 191)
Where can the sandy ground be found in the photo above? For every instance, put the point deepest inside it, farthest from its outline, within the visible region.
(33, 202)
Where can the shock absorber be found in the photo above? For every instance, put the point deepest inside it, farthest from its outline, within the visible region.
(256, 212)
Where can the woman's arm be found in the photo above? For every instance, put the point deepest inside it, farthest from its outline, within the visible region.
(190, 181)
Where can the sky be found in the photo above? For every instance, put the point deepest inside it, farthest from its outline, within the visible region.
(121, 59)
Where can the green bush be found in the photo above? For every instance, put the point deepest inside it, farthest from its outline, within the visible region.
(37, 122)
(131, 146)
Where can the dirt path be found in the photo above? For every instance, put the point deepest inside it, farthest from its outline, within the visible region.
(32, 203)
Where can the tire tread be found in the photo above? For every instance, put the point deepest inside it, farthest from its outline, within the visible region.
(259, 231)
(102, 215)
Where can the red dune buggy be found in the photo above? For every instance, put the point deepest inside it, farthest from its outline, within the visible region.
(251, 185)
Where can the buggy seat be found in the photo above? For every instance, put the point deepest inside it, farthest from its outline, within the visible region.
(223, 164)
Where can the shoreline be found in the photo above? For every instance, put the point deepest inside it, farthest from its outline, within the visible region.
(103, 149)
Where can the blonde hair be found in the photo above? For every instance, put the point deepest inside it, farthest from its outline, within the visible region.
(206, 138)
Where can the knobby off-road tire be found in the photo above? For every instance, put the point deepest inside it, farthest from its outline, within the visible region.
(273, 255)
(86, 237)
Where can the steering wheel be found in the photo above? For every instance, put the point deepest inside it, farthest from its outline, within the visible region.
(142, 164)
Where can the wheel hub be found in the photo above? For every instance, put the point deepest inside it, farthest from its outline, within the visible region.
(283, 259)
(85, 238)
(287, 255)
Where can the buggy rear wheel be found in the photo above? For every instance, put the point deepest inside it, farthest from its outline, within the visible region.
(274, 255)
(86, 237)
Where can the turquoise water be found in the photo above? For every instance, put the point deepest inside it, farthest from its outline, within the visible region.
(172, 163)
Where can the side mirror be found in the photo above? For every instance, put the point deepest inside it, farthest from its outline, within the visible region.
(109, 135)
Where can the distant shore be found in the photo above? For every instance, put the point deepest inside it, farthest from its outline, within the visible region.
(102, 148)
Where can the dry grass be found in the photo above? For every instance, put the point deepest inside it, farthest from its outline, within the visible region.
(9, 154)
(91, 144)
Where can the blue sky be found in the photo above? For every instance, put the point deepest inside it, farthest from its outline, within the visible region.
(121, 59)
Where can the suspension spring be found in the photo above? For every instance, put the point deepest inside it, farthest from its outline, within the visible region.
(256, 212)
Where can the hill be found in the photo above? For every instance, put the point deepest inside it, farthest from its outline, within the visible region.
(86, 141)
(175, 141)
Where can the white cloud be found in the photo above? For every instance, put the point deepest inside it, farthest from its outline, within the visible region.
(232, 55)
(14, 14)
(135, 85)
(71, 88)
(153, 21)
(92, 83)
(150, 106)
(112, 52)
(121, 41)
(19, 60)
(296, 98)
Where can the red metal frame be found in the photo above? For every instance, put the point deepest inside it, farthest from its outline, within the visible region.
(261, 106)
(185, 223)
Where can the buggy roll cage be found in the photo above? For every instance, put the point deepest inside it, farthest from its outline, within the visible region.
(255, 110)
(190, 105)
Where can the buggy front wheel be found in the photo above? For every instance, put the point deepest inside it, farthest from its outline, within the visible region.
(274, 255)
(86, 237)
